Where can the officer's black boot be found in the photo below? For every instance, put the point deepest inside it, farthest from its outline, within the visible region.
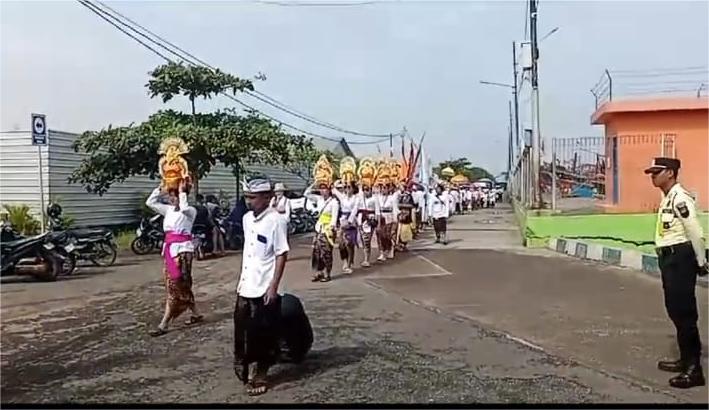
(672, 366)
(692, 376)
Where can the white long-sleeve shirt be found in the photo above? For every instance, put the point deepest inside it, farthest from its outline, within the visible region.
(322, 205)
(388, 206)
(370, 204)
(439, 205)
(282, 205)
(348, 207)
(176, 221)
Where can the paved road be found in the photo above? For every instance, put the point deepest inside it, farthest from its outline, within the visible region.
(482, 320)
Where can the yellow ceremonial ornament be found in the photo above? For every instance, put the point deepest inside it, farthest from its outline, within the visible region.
(383, 173)
(367, 171)
(447, 172)
(348, 170)
(172, 166)
(323, 172)
(459, 179)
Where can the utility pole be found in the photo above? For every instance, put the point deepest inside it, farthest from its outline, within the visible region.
(536, 139)
(514, 75)
(509, 145)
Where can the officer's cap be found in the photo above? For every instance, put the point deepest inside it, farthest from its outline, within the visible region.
(661, 163)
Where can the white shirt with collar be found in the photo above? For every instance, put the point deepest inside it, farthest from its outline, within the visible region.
(439, 205)
(176, 221)
(265, 237)
(322, 205)
(677, 222)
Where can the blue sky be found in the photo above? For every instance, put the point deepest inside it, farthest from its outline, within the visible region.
(371, 68)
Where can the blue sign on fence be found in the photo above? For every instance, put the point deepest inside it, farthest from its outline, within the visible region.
(39, 129)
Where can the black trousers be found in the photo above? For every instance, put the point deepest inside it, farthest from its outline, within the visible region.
(256, 334)
(679, 277)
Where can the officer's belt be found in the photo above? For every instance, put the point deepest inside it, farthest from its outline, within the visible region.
(671, 249)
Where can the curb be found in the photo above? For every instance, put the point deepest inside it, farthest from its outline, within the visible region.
(628, 258)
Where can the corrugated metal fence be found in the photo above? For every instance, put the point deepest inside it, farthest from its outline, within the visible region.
(19, 181)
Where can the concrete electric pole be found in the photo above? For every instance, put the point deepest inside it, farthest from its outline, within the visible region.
(536, 138)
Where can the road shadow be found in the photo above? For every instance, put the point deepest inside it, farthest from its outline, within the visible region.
(318, 362)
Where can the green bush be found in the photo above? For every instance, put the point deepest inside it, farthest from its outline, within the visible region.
(22, 220)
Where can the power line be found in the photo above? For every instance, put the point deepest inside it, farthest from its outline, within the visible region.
(304, 4)
(101, 13)
(256, 94)
(646, 70)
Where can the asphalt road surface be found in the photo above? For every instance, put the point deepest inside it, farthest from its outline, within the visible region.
(481, 320)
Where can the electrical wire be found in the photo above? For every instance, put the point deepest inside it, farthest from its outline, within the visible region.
(303, 4)
(102, 13)
(256, 94)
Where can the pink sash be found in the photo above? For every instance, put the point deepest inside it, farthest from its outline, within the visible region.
(173, 237)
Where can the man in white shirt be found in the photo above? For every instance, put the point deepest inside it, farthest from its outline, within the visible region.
(280, 202)
(257, 311)
(439, 204)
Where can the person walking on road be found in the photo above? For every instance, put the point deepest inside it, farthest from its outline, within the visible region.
(280, 202)
(347, 222)
(325, 230)
(178, 250)
(680, 250)
(368, 216)
(439, 203)
(258, 303)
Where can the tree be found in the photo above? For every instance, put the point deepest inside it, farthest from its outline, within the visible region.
(115, 154)
(464, 166)
(172, 79)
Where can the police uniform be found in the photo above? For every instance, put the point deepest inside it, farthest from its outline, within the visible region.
(680, 250)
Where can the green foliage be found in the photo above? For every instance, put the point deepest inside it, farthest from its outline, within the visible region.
(115, 154)
(191, 81)
(464, 166)
(22, 220)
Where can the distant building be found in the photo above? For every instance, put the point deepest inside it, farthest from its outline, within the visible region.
(636, 130)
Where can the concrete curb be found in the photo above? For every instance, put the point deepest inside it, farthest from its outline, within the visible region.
(628, 258)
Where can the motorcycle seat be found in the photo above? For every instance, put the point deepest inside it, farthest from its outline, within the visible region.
(20, 242)
(88, 232)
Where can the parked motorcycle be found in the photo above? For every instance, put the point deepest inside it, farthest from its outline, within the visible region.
(33, 256)
(148, 236)
(95, 245)
(55, 241)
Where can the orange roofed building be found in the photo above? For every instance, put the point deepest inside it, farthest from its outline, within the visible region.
(636, 130)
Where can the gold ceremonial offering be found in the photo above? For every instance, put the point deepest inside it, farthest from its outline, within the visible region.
(459, 179)
(383, 173)
(323, 172)
(367, 171)
(172, 166)
(348, 170)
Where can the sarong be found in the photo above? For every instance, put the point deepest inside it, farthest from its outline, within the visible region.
(384, 236)
(348, 241)
(439, 225)
(256, 334)
(392, 230)
(179, 291)
(322, 253)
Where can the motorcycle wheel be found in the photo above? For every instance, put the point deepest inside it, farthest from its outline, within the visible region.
(140, 246)
(69, 264)
(107, 252)
(54, 270)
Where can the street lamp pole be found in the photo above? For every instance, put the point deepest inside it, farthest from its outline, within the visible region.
(514, 78)
(536, 139)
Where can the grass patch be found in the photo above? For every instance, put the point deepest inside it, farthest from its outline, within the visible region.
(124, 239)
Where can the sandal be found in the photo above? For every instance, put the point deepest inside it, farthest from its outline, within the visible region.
(317, 277)
(157, 332)
(256, 388)
(194, 319)
(325, 279)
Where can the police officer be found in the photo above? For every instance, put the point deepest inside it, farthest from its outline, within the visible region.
(680, 250)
